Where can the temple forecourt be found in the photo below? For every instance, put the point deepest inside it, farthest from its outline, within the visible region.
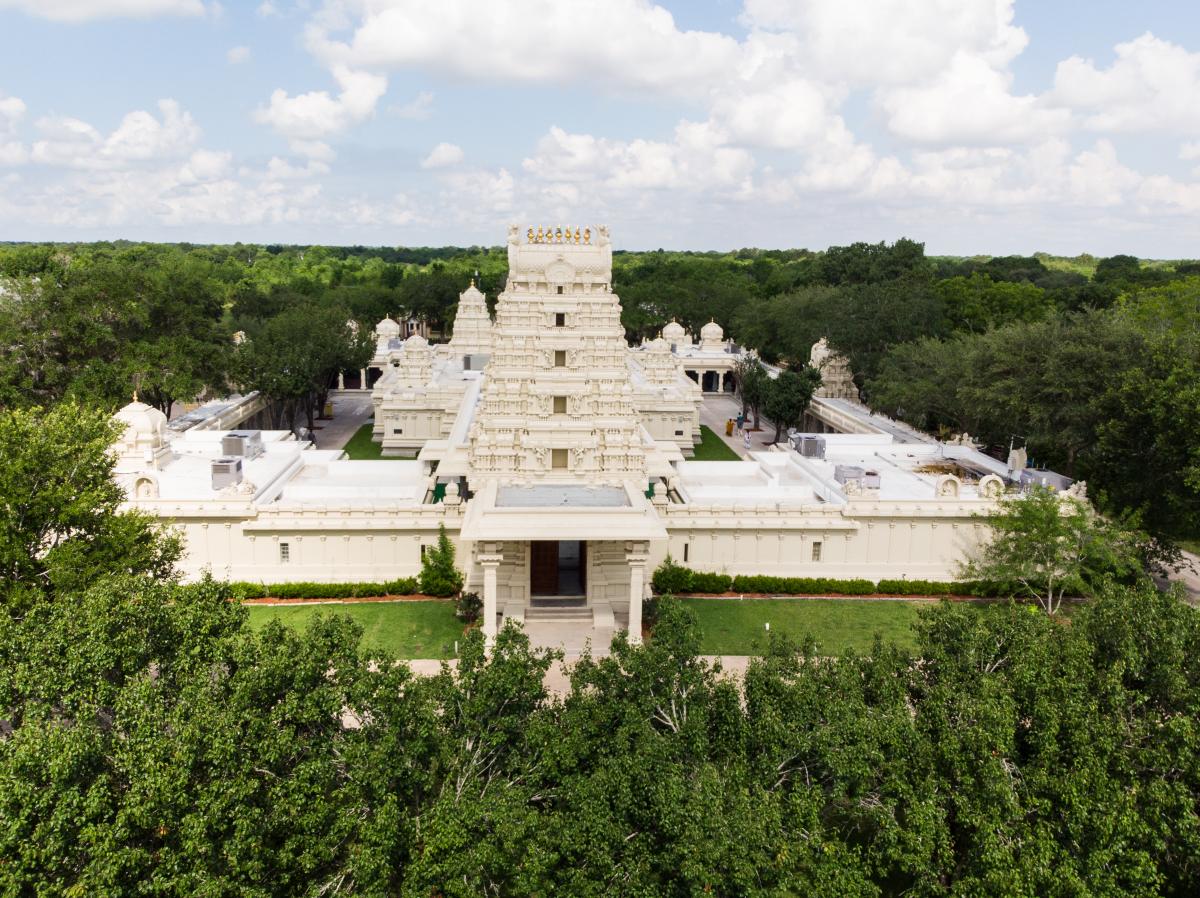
(557, 457)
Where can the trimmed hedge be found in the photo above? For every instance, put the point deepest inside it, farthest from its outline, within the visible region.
(405, 586)
(801, 585)
(678, 580)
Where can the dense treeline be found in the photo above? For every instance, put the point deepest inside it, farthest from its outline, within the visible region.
(1094, 364)
(152, 743)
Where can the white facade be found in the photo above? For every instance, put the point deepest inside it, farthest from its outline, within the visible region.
(562, 457)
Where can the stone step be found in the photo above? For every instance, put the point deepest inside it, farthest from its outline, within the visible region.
(536, 613)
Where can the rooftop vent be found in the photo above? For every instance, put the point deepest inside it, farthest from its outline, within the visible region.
(226, 471)
(809, 446)
(244, 443)
(845, 473)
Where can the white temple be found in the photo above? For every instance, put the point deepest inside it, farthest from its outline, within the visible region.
(557, 458)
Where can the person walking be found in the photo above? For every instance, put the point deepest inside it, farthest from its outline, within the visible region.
(746, 437)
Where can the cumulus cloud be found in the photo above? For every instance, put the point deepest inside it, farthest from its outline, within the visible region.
(12, 151)
(1152, 85)
(317, 114)
(418, 109)
(601, 43)
(894, 41)
(969, 102)
(73, 143)
(88, 10)
(694, 160)
(444, 154)
(236, 55)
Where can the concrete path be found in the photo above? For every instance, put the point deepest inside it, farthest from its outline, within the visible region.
(1189, 578)
(351, 410)
(717, 408)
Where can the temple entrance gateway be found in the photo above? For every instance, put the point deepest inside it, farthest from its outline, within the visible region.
(557, 568)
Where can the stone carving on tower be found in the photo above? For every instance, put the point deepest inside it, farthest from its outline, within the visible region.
(837, 381)
(556, 403)
(472, 324)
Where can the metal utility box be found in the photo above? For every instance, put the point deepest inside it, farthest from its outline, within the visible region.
(245, 443)
(870, 480)
(812, 447)
(845, 473)
(226, 471)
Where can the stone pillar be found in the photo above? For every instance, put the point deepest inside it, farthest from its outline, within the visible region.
(341, 380)
(637, 558)
(362, 382)
(491, 563)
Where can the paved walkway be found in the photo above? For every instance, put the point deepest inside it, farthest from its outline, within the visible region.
(717, 408)
(351, 410)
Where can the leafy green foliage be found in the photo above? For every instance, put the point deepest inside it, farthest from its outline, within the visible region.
(405, 586)
(788, 395)
(469, 607)
(62, 525)
(1045, 546)
(439, 574)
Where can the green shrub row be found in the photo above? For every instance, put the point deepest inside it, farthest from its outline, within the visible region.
(405, 586)
(678, 580)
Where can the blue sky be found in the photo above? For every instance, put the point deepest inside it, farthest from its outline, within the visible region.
(978, 126)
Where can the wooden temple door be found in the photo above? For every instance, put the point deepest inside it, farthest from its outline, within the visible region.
(543, 568)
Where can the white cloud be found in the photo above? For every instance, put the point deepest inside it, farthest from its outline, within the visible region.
(443, 155)
(418, 109)
(600, 43)
(313, 149)
(696, 160)
(316, 114)
(1190, 150)
(89, 10)
(969, 102)
(1152, 85)
(74, 143)
(12, 151)
(236, 55)
(479, 192)
(890, 41)
(267, 9)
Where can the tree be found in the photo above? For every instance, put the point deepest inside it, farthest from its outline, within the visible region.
(62, 525)
(752, 380)
(788, 397)
(439, 574)
(1046, 546)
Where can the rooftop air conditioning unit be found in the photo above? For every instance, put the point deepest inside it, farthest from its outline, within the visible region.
(245, 443)
(845, 473)
(814, 447)
(226, 471)
(870, 480)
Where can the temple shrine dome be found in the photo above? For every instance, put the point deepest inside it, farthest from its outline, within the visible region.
(673, 332)
(387, 328)
(712, 333)
(145, 426)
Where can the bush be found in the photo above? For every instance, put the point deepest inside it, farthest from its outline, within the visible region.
(918, 588)
(469, 606)
(670, 577)
(439, 575)
(802, 585)
(241, 591)
(705, 582)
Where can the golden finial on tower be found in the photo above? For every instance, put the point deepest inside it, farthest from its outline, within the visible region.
(558, 235)
(529, 235)
(587, 235)
(576, 236)
(539, 234)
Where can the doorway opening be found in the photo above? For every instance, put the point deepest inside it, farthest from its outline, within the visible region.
(558, 568)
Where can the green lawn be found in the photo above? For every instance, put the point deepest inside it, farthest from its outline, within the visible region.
(713, 448)
(361, 447)
(419, 629)
(735, 627)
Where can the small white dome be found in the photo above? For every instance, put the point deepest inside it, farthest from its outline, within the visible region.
(416, 340)
(144, 424)
(658, 344)
(471, 292)
(673, 332)
(387, 328)
(712, 333)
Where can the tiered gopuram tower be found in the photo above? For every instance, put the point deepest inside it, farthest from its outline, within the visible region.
(556, 404)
